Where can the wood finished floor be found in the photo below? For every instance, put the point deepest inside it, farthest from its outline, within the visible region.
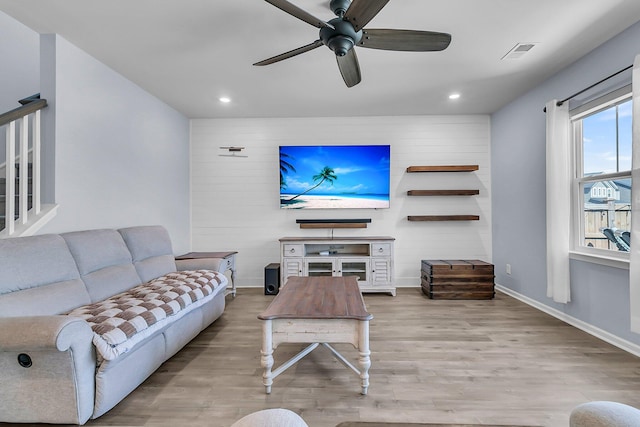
(486, 362)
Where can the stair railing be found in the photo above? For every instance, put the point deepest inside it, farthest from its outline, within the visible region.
(22, 126)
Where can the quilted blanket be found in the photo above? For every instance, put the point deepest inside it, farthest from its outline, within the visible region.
(123, 320)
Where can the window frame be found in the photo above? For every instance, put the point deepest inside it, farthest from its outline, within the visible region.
(578, 250)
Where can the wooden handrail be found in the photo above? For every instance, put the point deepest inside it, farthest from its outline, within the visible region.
(19, 112)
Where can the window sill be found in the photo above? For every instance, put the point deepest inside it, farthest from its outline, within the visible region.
(601, 259)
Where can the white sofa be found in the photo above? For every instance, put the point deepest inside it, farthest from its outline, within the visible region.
(67, 368)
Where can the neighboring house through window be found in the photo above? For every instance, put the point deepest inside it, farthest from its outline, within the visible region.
(602, 135)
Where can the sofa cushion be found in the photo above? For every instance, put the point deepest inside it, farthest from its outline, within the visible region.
(151, 250)
(38, 276)
(125, 319)
(104, 262)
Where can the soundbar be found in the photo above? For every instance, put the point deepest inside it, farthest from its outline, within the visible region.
(333, 221)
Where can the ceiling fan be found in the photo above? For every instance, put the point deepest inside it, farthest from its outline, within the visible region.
(343, 33)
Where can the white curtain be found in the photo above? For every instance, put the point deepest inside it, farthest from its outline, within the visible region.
(558, 201)
(634, 267)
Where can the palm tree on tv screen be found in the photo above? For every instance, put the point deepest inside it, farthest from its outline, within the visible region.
(326, 174)
(285, 167)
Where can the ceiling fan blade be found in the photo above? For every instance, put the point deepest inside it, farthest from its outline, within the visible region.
(303, 15)
(349, 68)
(360, 12)
(291, 53)
(405, 40)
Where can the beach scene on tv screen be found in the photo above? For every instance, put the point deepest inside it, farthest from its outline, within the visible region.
(334, 177)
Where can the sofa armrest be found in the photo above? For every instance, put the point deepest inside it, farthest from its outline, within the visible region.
(604, 414)
(215, 264)
(47, 364)
(222, 262)
(43, 332)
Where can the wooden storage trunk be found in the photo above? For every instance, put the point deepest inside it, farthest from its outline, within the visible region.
(457, 279)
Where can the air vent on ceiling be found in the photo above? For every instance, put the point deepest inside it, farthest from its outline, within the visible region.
(519, 50)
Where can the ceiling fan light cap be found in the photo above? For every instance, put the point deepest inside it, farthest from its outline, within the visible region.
(340, 45)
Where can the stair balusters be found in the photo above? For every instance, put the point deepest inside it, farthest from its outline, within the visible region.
(20, 188)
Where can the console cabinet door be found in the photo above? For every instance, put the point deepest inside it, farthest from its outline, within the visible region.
(359, 267)
(380, 271)
(319, 267)
(291, 267)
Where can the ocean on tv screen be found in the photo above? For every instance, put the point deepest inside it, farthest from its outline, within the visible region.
(334, 177)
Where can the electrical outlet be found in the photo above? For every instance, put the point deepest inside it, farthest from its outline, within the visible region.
(508, 268)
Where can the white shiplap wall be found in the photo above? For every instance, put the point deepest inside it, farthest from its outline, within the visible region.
(235, 201)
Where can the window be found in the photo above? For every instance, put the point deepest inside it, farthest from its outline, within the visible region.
(602, 184)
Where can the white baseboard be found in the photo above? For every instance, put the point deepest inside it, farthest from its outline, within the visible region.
(586, 327)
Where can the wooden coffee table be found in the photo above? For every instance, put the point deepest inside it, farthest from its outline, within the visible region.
(316, 310)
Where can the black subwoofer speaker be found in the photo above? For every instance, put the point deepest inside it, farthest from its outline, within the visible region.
(272, 279)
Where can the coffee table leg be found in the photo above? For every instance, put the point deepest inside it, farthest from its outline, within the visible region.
(266, 359)
(364, 361)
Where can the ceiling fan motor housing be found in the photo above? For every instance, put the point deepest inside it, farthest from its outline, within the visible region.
(341, 38)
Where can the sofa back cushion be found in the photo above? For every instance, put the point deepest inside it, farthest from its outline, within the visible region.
(104, 262)
(150, 247)
(38, 276)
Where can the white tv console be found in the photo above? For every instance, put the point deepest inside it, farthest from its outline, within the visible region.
(370, 259)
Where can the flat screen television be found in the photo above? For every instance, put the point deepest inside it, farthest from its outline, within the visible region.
(334, 176)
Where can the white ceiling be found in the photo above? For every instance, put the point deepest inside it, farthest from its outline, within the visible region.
(190, 52)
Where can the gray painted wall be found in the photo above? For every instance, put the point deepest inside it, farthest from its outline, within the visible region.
(121, 155)
(19, 73)
(114, 155)
(600, 295)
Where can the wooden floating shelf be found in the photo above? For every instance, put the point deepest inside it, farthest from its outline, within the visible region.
(443, 192)
(443, 218)
(450, 168)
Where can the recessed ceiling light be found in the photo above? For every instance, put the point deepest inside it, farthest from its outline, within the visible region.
(454, 96)
(225, 100)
